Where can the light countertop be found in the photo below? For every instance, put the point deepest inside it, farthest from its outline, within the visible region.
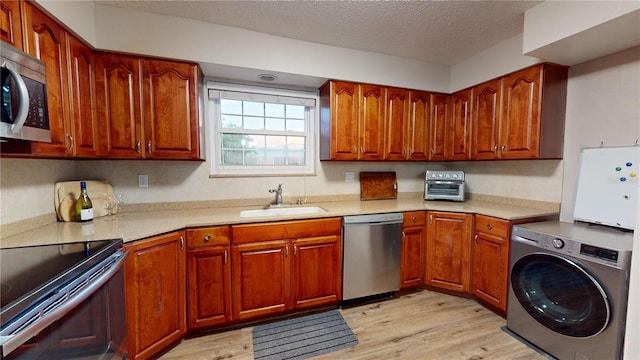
(131, 226)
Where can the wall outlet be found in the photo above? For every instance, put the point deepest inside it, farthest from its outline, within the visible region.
(349, 177)
(143, 181)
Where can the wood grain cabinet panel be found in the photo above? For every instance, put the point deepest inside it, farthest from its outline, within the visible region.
(45, 40)
(449, 250)
(83, 113)
(419, 127)
(440, 113)
(155, 294)
(371, 121)
(486, 120)
(339, 136)
(490, 267)
(396, 124)
(11, 23)
(413, 249)
(458, 141)
(208, 277)
(285, 266)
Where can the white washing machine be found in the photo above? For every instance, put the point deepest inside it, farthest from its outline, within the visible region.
(568, 288)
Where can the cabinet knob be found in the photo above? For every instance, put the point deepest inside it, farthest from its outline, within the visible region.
(489, 226)
(207, 238)
(414, 219)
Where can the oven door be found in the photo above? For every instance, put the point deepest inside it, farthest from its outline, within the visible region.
(560, 295)
(87, 323)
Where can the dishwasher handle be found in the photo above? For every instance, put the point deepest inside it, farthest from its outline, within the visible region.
(373, 219)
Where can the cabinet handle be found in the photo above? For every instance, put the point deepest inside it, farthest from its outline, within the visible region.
(404, 236)
(181, 243)
(495, 149)
(286, 250)
(138, 149)
(207, 238)
(225, 256)
(430, 219)
(431, 153)
(415, 219)
(503, 148)
(355, 149)
(71, 144)
(361, 150)
(475, 238)
(489, 226)
(149, 146)
(295, 250)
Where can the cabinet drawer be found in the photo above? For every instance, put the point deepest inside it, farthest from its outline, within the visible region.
(207, 236)
(491, 225)
(414, 218)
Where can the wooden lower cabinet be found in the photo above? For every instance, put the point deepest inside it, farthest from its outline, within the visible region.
(413, 249)
(490, 266)
(208, 277)
(284, 266)
(449, 250)
(155, 294)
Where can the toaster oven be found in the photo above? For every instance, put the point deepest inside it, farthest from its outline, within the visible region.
(444, 185)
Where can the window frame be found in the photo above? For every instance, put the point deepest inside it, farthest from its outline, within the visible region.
(215, 132)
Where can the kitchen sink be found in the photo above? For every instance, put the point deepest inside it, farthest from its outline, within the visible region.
(283, 211)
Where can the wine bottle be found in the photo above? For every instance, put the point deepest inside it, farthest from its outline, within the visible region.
(84, 207)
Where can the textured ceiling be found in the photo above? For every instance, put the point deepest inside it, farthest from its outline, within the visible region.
(441, 32)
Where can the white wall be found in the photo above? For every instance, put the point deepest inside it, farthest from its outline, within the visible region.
(77, 15)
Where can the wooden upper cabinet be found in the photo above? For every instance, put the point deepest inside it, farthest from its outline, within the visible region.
(396, 124)
(82, 99)
(458, 139)
(171, 122)
(119, 114)
(339, 121)
(439, 117)
(485, 120)
(371, 103)
(10, 23)
(352, 121)
(45, 40)
(419, 125)
(533, 112)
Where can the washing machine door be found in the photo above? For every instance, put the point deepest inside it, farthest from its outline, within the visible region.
(560, 295)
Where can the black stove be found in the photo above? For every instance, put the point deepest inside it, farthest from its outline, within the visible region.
(31, 274)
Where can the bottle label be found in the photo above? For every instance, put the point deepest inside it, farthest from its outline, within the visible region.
(86, 214)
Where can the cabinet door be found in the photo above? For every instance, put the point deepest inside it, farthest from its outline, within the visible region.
(520, 133)
(317, 271)
(459, 131)
(419, 125)
(170, 110)
(490, 266)
(10, 23)
(396, 124)
(371, 122)
(449, 251)
(413, 245)
(261, 279)
(439, 116)
(343, 109)
(45, 40)
(119, 115)
(485, 120)
(208, 286)
(155, 293)
(82, 99)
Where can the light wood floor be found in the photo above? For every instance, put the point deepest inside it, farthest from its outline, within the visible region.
(421, 325)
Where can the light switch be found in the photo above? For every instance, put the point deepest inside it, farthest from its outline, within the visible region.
(143, 181)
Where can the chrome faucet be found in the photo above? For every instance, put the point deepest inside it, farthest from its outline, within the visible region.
(278, 192)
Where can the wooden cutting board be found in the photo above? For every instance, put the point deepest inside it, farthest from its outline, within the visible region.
(378, 185)
(66, 193)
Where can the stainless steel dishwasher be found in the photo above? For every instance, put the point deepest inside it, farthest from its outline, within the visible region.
(371, 254)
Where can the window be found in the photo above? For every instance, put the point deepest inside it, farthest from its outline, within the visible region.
(261, 131)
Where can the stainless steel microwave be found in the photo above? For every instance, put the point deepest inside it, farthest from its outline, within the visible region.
(24, 97)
